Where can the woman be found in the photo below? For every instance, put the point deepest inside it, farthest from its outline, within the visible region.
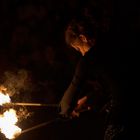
(82, 35)
(90, 87)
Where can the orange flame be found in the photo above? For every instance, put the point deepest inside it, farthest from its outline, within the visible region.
(8, 122)
(4, 98)
(8, 119)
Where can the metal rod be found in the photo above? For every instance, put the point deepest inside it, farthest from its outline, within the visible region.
(47, 123)
(33, 104)
(39, 125)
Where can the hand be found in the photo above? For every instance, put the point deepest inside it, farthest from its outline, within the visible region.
(81, 103)
(81, 107)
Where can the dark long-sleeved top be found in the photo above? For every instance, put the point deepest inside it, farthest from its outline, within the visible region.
(86, 80)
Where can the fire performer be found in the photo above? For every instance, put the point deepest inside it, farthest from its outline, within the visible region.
(89, 84)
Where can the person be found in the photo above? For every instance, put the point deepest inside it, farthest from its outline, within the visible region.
(81, 34)
(90, 88)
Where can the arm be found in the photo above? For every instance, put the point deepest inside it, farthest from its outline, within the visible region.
(68, 100)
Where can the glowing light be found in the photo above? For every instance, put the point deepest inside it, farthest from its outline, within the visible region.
(4, 98)
(8, 119)
(8, 122)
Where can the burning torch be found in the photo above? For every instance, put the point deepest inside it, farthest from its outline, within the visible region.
(9, 118)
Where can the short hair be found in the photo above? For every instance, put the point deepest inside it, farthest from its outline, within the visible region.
(81, 25)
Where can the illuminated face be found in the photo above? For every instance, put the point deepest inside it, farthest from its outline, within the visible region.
(80, 46)
(79, 43)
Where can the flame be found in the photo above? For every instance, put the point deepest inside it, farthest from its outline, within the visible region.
(4, 98)
(8, 119)
(8, 122)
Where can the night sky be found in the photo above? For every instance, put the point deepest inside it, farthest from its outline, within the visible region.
(37, 66)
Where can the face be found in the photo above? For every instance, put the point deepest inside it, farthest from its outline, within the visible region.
(80, 46)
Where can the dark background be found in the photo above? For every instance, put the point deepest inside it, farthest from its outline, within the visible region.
(32, 48)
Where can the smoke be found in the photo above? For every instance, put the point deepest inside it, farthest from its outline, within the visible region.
(18, 84)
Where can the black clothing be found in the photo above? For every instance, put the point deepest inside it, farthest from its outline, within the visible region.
(92, 79)
(88, 80)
